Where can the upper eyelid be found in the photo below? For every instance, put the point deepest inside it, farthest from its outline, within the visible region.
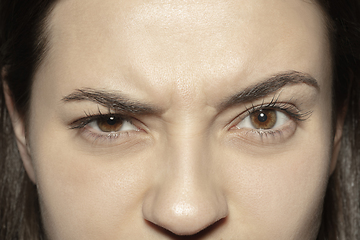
(273, 104)
(281, 106)
(82, 122)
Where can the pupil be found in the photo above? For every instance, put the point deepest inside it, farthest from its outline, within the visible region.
(262, 117)
(111, 121)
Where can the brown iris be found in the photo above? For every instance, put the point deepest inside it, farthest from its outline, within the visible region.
(263, 119)
(110, 124)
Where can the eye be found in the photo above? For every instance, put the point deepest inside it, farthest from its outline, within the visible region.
(111, 124)
(264, 119)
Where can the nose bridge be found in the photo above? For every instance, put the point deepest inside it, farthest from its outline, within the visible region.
(188, 153)
(186, 199)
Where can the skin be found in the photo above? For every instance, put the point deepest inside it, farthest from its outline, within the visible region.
(189, 170)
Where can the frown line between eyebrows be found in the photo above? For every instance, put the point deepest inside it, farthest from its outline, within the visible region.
(114, 101)
(121, 103)
(271, 85)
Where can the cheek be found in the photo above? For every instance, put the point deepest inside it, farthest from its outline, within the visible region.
(88, 196)
(272, 192)
(282, 192)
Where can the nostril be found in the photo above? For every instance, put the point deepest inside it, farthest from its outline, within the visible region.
(199, 235)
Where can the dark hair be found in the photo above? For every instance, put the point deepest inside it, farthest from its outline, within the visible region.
(22, 45)
(341, 210)
(23, 34)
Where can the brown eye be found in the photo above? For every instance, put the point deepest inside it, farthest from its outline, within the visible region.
(263, 119)
(110, 124)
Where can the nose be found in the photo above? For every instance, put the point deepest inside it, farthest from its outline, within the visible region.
(186, 198)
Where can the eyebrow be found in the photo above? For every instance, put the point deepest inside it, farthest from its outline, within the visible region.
(123, 104)
(111, 100)
(271, 85)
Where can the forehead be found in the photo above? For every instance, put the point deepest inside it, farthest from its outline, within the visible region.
(181, 47)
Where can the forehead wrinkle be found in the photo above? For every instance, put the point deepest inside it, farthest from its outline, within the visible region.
(184, 68)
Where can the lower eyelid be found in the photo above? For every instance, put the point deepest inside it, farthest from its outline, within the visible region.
(110, 138)
(96, 133)
(92, 134)
(270, 136)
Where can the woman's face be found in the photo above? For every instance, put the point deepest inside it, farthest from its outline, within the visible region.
(206, 119)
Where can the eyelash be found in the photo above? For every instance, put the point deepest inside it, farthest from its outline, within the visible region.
(287, 108)
(82, 123)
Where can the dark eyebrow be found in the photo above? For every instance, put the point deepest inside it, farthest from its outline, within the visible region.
(268, 86)
(111, 100)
